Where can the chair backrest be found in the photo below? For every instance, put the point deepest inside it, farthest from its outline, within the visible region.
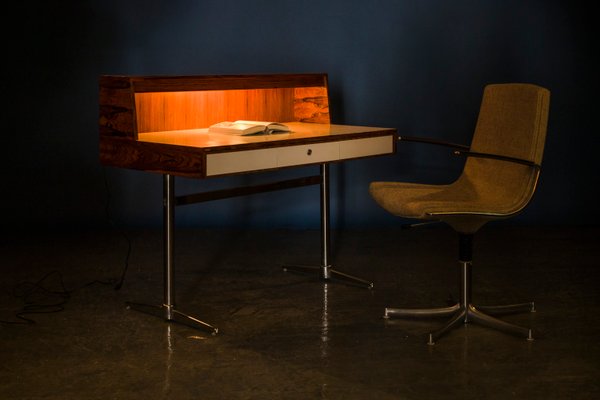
(512, 122)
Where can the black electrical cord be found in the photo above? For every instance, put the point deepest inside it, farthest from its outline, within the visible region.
(44, 296)
(38, 298)
(119, 284)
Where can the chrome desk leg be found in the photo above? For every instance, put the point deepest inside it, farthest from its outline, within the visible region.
(325, 271)
(168, 306)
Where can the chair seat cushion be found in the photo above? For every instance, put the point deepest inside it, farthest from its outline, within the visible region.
(457, 204)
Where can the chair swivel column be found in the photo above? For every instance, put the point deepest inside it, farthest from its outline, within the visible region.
(464, 311)
(465, 259)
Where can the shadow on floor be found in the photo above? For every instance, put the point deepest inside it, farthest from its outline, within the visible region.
(291, 336)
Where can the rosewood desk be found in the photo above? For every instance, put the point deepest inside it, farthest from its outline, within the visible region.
(159, 124)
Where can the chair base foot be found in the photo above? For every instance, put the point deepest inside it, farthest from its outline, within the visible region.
(466, 314)
(328, 274)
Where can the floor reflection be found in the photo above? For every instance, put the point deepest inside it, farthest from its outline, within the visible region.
(325, 324)
(169, 360)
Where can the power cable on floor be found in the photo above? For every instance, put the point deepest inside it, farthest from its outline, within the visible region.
(119, 284)
(39, 298)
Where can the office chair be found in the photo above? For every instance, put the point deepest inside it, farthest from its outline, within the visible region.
(498, 180)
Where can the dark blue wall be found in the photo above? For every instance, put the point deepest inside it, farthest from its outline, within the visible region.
(418, 66)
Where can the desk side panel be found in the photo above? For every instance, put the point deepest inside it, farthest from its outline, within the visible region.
(311, 104)
(116, 108)
(153, 157)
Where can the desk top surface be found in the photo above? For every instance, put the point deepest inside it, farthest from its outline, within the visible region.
(201, 138)
(186, 152)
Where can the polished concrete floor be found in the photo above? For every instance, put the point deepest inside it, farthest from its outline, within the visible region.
(284, 335)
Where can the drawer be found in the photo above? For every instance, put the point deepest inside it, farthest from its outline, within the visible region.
(240, 161)
(256, 160)
(308, 154)
(287, 156)
(366, 147)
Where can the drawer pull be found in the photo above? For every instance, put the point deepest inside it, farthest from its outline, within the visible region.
(309, 152)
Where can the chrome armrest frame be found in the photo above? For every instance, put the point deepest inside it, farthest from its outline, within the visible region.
(432, 141)
(462, 150)
(516, 160)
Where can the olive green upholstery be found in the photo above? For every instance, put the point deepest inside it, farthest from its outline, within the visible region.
(499, 176)
(512, 122)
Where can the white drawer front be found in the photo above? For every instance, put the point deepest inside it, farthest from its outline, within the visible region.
(307, 154)
(366, 147)
(287, 156)
(240, 161)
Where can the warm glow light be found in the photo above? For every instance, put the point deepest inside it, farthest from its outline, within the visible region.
(167, 111)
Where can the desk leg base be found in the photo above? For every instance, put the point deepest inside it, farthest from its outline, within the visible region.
(170, 314)
(326, 273)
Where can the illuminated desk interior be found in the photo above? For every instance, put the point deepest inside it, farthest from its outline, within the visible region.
(159, 124)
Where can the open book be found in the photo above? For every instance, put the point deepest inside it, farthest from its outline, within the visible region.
(246, 128)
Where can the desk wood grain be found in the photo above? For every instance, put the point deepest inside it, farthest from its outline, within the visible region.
(193, 152)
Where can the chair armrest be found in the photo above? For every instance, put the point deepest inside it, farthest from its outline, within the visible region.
(468, 153)
(462, 150)
(432, 141)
